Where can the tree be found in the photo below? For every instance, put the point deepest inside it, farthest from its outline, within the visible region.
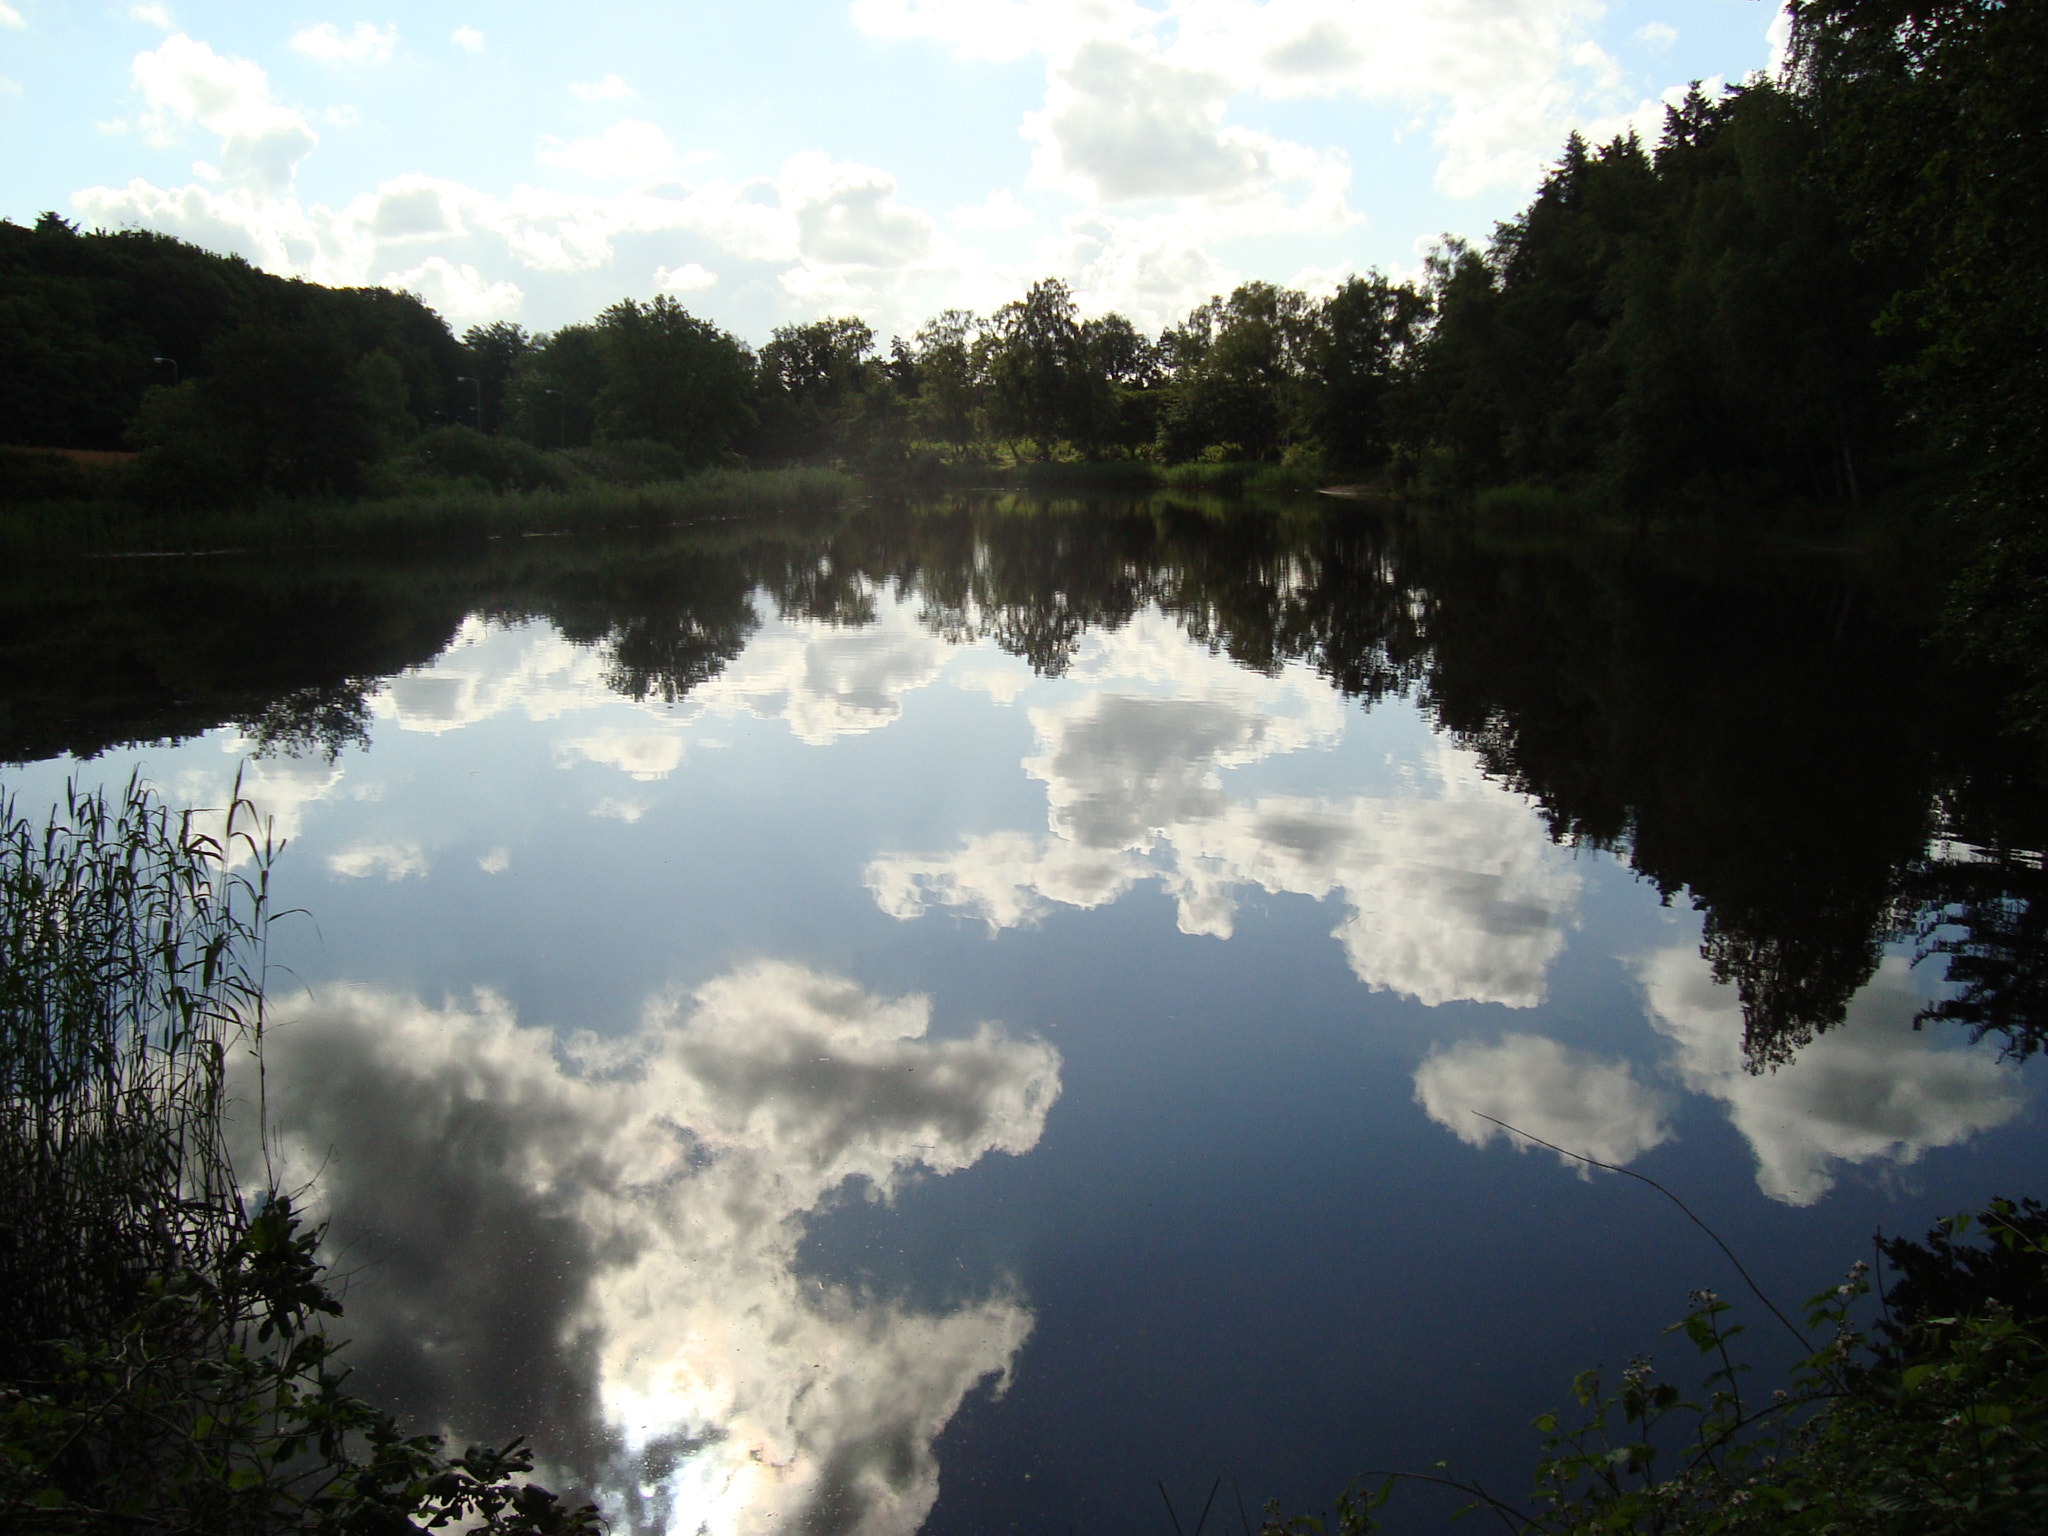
(494, 352)
(948, 390)
(812, 380)
(551, 399)
(672, 378)
(1934, 112)
(1031, 354)
(1239, 362)
(1364, 336)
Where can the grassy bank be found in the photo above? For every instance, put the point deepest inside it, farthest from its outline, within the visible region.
(1132, 476)
(454, 514)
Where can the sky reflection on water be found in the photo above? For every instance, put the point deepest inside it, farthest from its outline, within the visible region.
(892, 1085)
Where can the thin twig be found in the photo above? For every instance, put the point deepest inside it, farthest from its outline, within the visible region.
(1169, 1508)
(1644, 1178)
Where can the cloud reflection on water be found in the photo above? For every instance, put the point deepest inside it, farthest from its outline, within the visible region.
(1871, 1090)
(1452, 895)
(601, 1252)
(1551, 1091)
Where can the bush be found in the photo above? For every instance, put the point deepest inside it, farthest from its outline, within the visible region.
(634, 462)
(42, 474)
(502, 463)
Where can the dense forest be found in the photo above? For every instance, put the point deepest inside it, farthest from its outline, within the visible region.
(1818, 291)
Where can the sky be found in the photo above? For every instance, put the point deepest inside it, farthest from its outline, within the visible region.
(788, 159)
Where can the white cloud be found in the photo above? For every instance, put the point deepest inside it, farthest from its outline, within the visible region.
(185, 83)
(828, 680)
(645, 755)
(629, 150)
(628, 811)
(1497, 82)
(1450, 893)
(496, 862)
(467, 38)
(460, 293)
(10, 17)
(1562, 1096)
(1778, 37)
(326, 42)
(622, 1234)
(610, 88)
(1870, 1090)
(490, 669)
(399, 860)
(158, 16)
(999, 211)
(1657, 34)
(1120, 124)
(687, 278)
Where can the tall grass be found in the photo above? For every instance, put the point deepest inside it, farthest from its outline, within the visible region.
(132, 953)
(456, 513)
(163, 1361)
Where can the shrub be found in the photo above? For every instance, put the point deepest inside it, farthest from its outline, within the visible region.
(502, 463)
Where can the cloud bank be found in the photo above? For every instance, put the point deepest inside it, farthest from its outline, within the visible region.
(596, 1244)
(1454, 894)
(1871, 1091)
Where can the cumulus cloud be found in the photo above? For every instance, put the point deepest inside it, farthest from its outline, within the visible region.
(185, 84)
(1871, 1091)
(1000, 210)
(610, 88)
(1497, 82)
(400, 860)
(690, 277)
(1121, 124)
(1454, 894)
(602, 1251)
(1562, 1096)
(10, 17)
(828, 680)
(158, 16)
(468, 39)
(611, 808)
(326, 42)
(461, 293)
(490, 669)
(645, 755)
(629, 150)
(1657, 34)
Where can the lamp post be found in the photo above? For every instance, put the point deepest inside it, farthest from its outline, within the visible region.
(561, 419)
(174, 368)
(478, 387)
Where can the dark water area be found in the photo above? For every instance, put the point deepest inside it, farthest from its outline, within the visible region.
(945, 1017)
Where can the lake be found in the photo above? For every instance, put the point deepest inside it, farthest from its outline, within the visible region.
(949, 1017)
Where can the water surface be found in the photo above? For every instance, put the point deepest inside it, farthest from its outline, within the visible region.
(945, 1017)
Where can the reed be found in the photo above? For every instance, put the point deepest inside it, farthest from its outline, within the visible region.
(433, 513)
(133, 950)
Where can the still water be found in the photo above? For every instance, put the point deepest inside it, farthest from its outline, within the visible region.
(946, 1018)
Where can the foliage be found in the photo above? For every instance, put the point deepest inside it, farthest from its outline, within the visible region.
(672, 378)
(1939, 161)
(1944, 1432)
(168, 1368)
(502, 463)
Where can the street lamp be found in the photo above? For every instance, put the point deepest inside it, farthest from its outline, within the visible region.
(174, 368)
(473, 384)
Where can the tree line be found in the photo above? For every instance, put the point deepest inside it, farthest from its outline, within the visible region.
(1816, 289)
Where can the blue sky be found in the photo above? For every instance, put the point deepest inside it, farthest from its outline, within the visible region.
(792, 158)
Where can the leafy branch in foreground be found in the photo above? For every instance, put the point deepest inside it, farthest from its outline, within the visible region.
(1943, 1432)
(169, 1369)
